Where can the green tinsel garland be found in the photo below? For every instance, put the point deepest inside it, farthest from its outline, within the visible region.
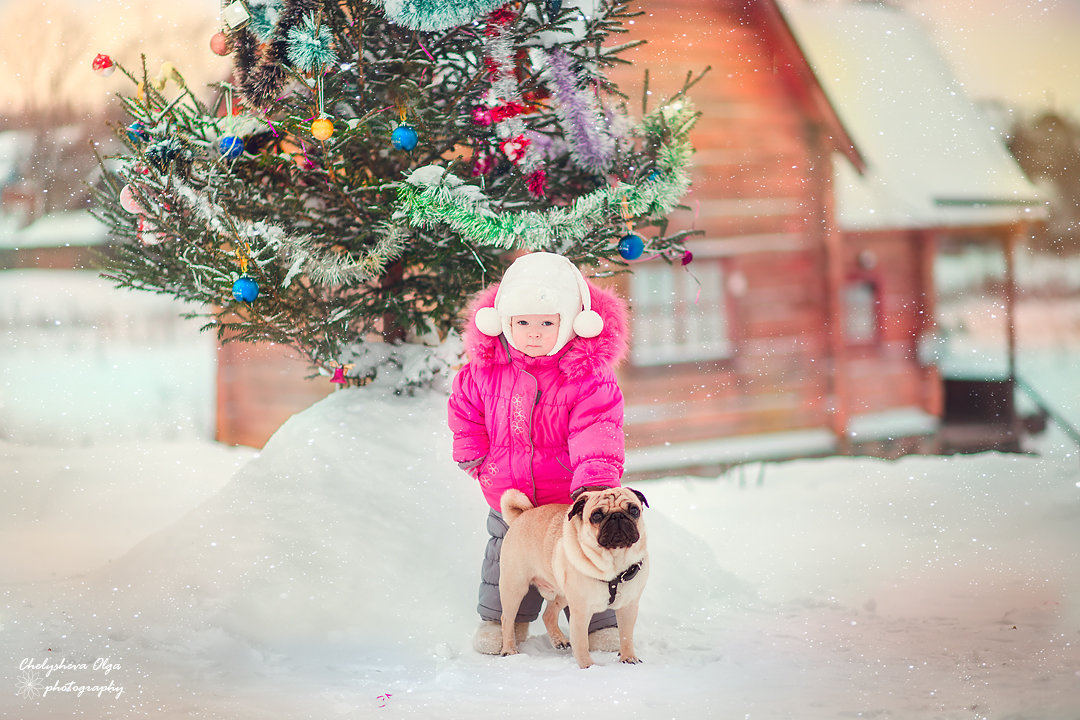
(427, 198)
(310, 48)
(428, 15)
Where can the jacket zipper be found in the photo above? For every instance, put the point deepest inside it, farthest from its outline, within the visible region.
(532, 443)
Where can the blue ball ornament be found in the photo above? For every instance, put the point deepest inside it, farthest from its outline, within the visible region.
(404, 137)
(631, 246)
(245, 289)
(136, 132)
(231, 147)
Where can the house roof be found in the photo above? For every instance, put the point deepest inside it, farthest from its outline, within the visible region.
(932, 157)
(790, 63)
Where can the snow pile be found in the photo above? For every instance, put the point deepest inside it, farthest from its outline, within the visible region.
(334, 575)
(351, 528)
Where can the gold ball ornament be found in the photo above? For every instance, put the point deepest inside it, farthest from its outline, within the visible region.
(322, 128)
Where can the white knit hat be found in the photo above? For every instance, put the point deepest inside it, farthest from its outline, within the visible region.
(542, 283)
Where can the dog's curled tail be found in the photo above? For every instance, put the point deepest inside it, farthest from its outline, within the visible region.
(513, 503)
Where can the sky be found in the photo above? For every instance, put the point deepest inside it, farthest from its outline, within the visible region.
(1025, 53)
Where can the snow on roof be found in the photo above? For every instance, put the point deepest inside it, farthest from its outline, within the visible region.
(61, 229)
(933, 158)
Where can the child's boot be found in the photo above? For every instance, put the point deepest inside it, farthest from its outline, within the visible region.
(488, 638)
(604, 640)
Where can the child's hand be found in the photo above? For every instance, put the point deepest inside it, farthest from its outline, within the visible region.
(587, 488)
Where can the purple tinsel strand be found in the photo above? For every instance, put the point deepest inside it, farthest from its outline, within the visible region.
(591, 147)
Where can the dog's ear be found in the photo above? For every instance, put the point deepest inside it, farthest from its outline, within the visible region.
(640, 497)
(578, 509)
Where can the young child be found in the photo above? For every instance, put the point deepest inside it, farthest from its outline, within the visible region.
(537, 408)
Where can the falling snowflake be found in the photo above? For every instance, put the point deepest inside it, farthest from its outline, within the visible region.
(29, 685)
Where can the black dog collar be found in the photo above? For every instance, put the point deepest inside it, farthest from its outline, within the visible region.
(625, 576)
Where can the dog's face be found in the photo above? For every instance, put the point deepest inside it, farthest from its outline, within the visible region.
(611, 517)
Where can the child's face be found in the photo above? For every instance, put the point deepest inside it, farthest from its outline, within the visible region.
(534, 335)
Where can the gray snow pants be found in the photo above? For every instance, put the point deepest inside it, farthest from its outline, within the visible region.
(490, 608)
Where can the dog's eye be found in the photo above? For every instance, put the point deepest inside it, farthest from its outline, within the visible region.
(596, 517)
(633, 511)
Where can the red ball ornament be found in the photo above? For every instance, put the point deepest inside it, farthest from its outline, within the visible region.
(219, 44)
(103, 65)
(148, 234)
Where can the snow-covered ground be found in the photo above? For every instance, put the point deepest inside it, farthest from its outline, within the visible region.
(334, 575)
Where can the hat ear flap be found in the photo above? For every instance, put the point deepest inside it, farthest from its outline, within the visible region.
(588, 322)
(488, 321)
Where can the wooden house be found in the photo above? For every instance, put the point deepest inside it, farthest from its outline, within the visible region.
(834, 154)
(827, 174)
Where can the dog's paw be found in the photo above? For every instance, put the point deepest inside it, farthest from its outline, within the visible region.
(629, 659)
(509, 651)
(560, 644)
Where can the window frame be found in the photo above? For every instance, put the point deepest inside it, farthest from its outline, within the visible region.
(873, 281)
(646, 354)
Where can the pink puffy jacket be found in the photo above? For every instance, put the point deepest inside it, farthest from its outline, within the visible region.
(548, 425)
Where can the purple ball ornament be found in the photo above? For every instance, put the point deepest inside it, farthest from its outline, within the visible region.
(245, 289)
(631, 246)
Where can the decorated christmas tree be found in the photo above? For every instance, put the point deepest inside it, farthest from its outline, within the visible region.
(372, 163)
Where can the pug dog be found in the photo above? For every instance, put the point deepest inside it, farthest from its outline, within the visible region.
(589, 556)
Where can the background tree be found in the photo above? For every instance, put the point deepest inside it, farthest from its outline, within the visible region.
(1047, 147)
(371, 165)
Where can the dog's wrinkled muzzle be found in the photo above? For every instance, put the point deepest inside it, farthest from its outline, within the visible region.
(618, 530)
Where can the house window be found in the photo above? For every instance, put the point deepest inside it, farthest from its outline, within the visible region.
(679, 314)
(861, 303)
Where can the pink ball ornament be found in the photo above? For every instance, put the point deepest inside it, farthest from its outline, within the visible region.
(219, 43)
(482, 116)
(129, 201)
